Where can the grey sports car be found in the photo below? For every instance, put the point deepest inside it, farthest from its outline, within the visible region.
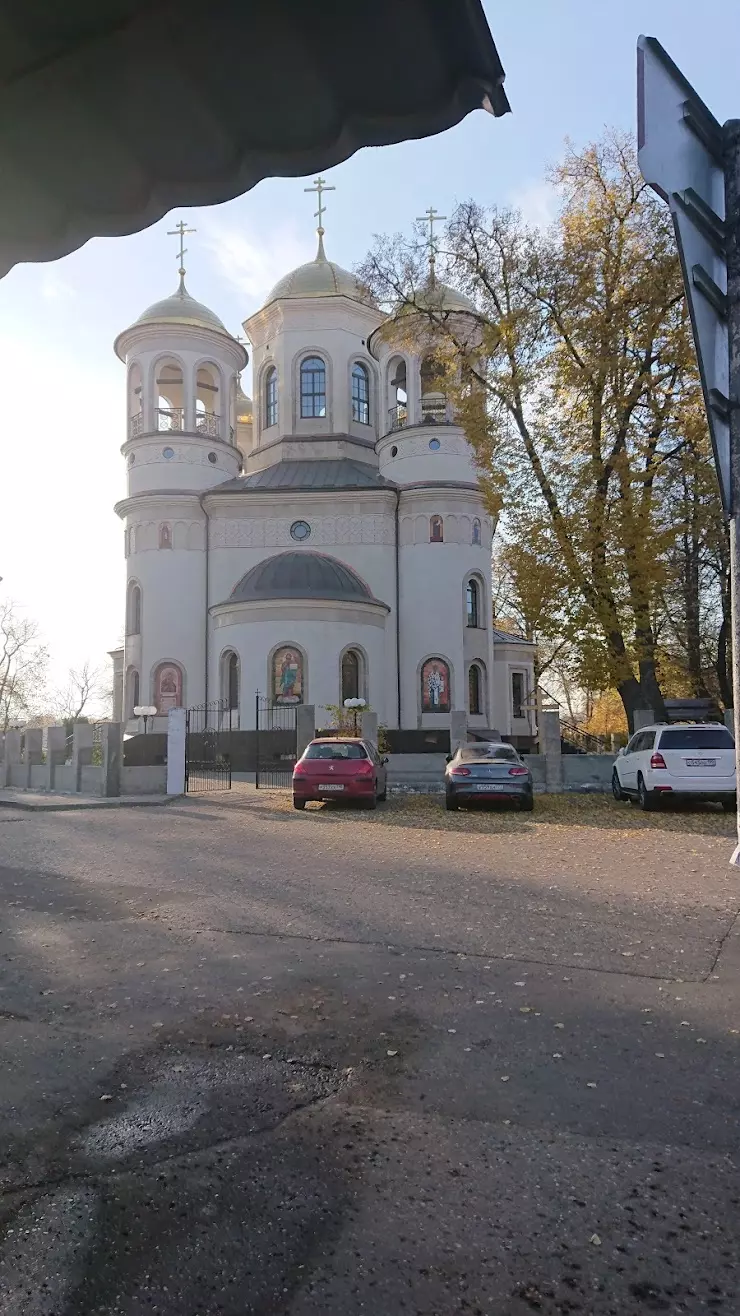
(488, 771)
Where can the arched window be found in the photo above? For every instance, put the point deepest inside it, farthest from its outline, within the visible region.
(167, 687)
(350, 675)
(271, 397)
(232, 682)
(313, 387)
(436, 530)
(475, 689)
(360, 394)
(476, 531)
(435, 686)
(170, 409)
(165, 536)
(472, 603)
(133, 611)
(207, 401)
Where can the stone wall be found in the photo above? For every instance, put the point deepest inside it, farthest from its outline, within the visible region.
(146, 780)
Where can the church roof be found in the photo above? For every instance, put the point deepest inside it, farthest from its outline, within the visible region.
(342, 473)
(301, 575)
(319, 278)
(441, 297)
(181, 308)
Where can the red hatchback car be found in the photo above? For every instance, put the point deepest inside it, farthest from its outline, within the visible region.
(340, 768)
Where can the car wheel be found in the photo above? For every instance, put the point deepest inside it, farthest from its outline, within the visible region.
(372, 803)
(646, 799)
(617, 791)
(382, 798)
(527, 804)
(450, 803)
(298, 804)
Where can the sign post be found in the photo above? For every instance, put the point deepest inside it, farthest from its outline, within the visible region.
(693, 163)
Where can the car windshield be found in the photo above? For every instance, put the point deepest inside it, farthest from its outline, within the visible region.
(339, 749)
(473, 753)
(697, 738)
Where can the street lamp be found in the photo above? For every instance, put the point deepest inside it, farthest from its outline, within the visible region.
(146, 711)
(355, 705)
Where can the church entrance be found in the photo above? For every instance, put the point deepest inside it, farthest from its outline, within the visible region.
(208, 747)
(277, 744)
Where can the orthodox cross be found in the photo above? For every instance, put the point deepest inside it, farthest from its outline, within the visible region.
(181, 229)
(320, 186)
(431, 217)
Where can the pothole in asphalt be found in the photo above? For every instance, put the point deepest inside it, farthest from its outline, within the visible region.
(178, 1102)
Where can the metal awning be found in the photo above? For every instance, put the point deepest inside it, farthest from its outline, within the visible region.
(112, 112)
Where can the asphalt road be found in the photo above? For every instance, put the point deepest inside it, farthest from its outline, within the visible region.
(256, 1061)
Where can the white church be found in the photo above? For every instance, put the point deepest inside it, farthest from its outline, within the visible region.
(328, 540)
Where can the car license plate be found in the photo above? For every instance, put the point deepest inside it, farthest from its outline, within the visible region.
(331, 786)
(490, 786)
(701, 763)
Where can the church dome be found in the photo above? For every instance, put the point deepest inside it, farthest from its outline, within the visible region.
(441, 297)
(319, 278)
(181, 308)
(243, 407)
(301, 575)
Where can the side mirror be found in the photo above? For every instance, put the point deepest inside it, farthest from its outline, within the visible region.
(385, 760)
(448, 758)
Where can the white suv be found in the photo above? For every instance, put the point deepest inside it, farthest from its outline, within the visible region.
(681, 759)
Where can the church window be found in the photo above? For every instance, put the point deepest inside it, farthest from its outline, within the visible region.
(300, 530)
(167, 687)
(271, 398)
(165, 536)
(476, 531)
(360, 394)
(168, 454)
(350, 675)
(436, 530)
(517, 694)
(313, 387)
(435, 445)
(134, 700)
(133, 612)
(212, 458)
(232, 676)
(435, 686)
(474, 689)
(472, 603)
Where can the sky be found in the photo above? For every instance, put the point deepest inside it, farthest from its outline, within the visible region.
(570, 72)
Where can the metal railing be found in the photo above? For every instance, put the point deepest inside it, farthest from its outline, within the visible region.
(136, 424)
(584, 742)
(398, 418)
(435, 411)
(208, 422)
(169, 418)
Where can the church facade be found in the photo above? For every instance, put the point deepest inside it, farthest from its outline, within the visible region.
(327, 541)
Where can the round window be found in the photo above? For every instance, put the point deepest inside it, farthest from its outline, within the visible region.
(300, 530)
(394, 451)
(435, 445)
(212, 458)
(168, 453)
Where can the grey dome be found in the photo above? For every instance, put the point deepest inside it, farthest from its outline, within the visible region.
(301, 575)
(181, 308)
(319, 278)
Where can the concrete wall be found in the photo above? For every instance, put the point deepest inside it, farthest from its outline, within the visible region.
(38, 777)
(580, 772)
(64, 779)
(143, 781)
(91, 779)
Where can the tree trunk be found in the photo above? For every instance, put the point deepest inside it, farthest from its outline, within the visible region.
(724, 678)
(644, 694)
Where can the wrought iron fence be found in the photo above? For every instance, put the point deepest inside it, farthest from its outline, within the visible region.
(398, 417)
(170, 418)
(208, 747)
(208, 422)
(136, 424)
(277, 742)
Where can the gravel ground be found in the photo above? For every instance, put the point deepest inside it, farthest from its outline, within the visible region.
(258, 1061)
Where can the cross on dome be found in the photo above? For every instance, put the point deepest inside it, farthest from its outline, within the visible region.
(431, 217)
(181, 229)
(320, 186)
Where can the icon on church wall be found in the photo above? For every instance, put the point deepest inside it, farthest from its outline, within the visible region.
(435, 686)
(168, 688)
(287, 677)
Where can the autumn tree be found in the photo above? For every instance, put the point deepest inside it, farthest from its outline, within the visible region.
(85, 686)
(575, 379)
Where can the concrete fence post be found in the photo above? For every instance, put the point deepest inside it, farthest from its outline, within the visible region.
(643, 717)
(112, 744)
(305, 727)
(12, 756)
(33, 753)
(56, 754)
(549, 736)
(176, 729)
(369, 726)
(458, 729)
(82, 750)
(729, 720)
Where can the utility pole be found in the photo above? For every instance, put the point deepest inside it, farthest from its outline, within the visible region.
(731, 162)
